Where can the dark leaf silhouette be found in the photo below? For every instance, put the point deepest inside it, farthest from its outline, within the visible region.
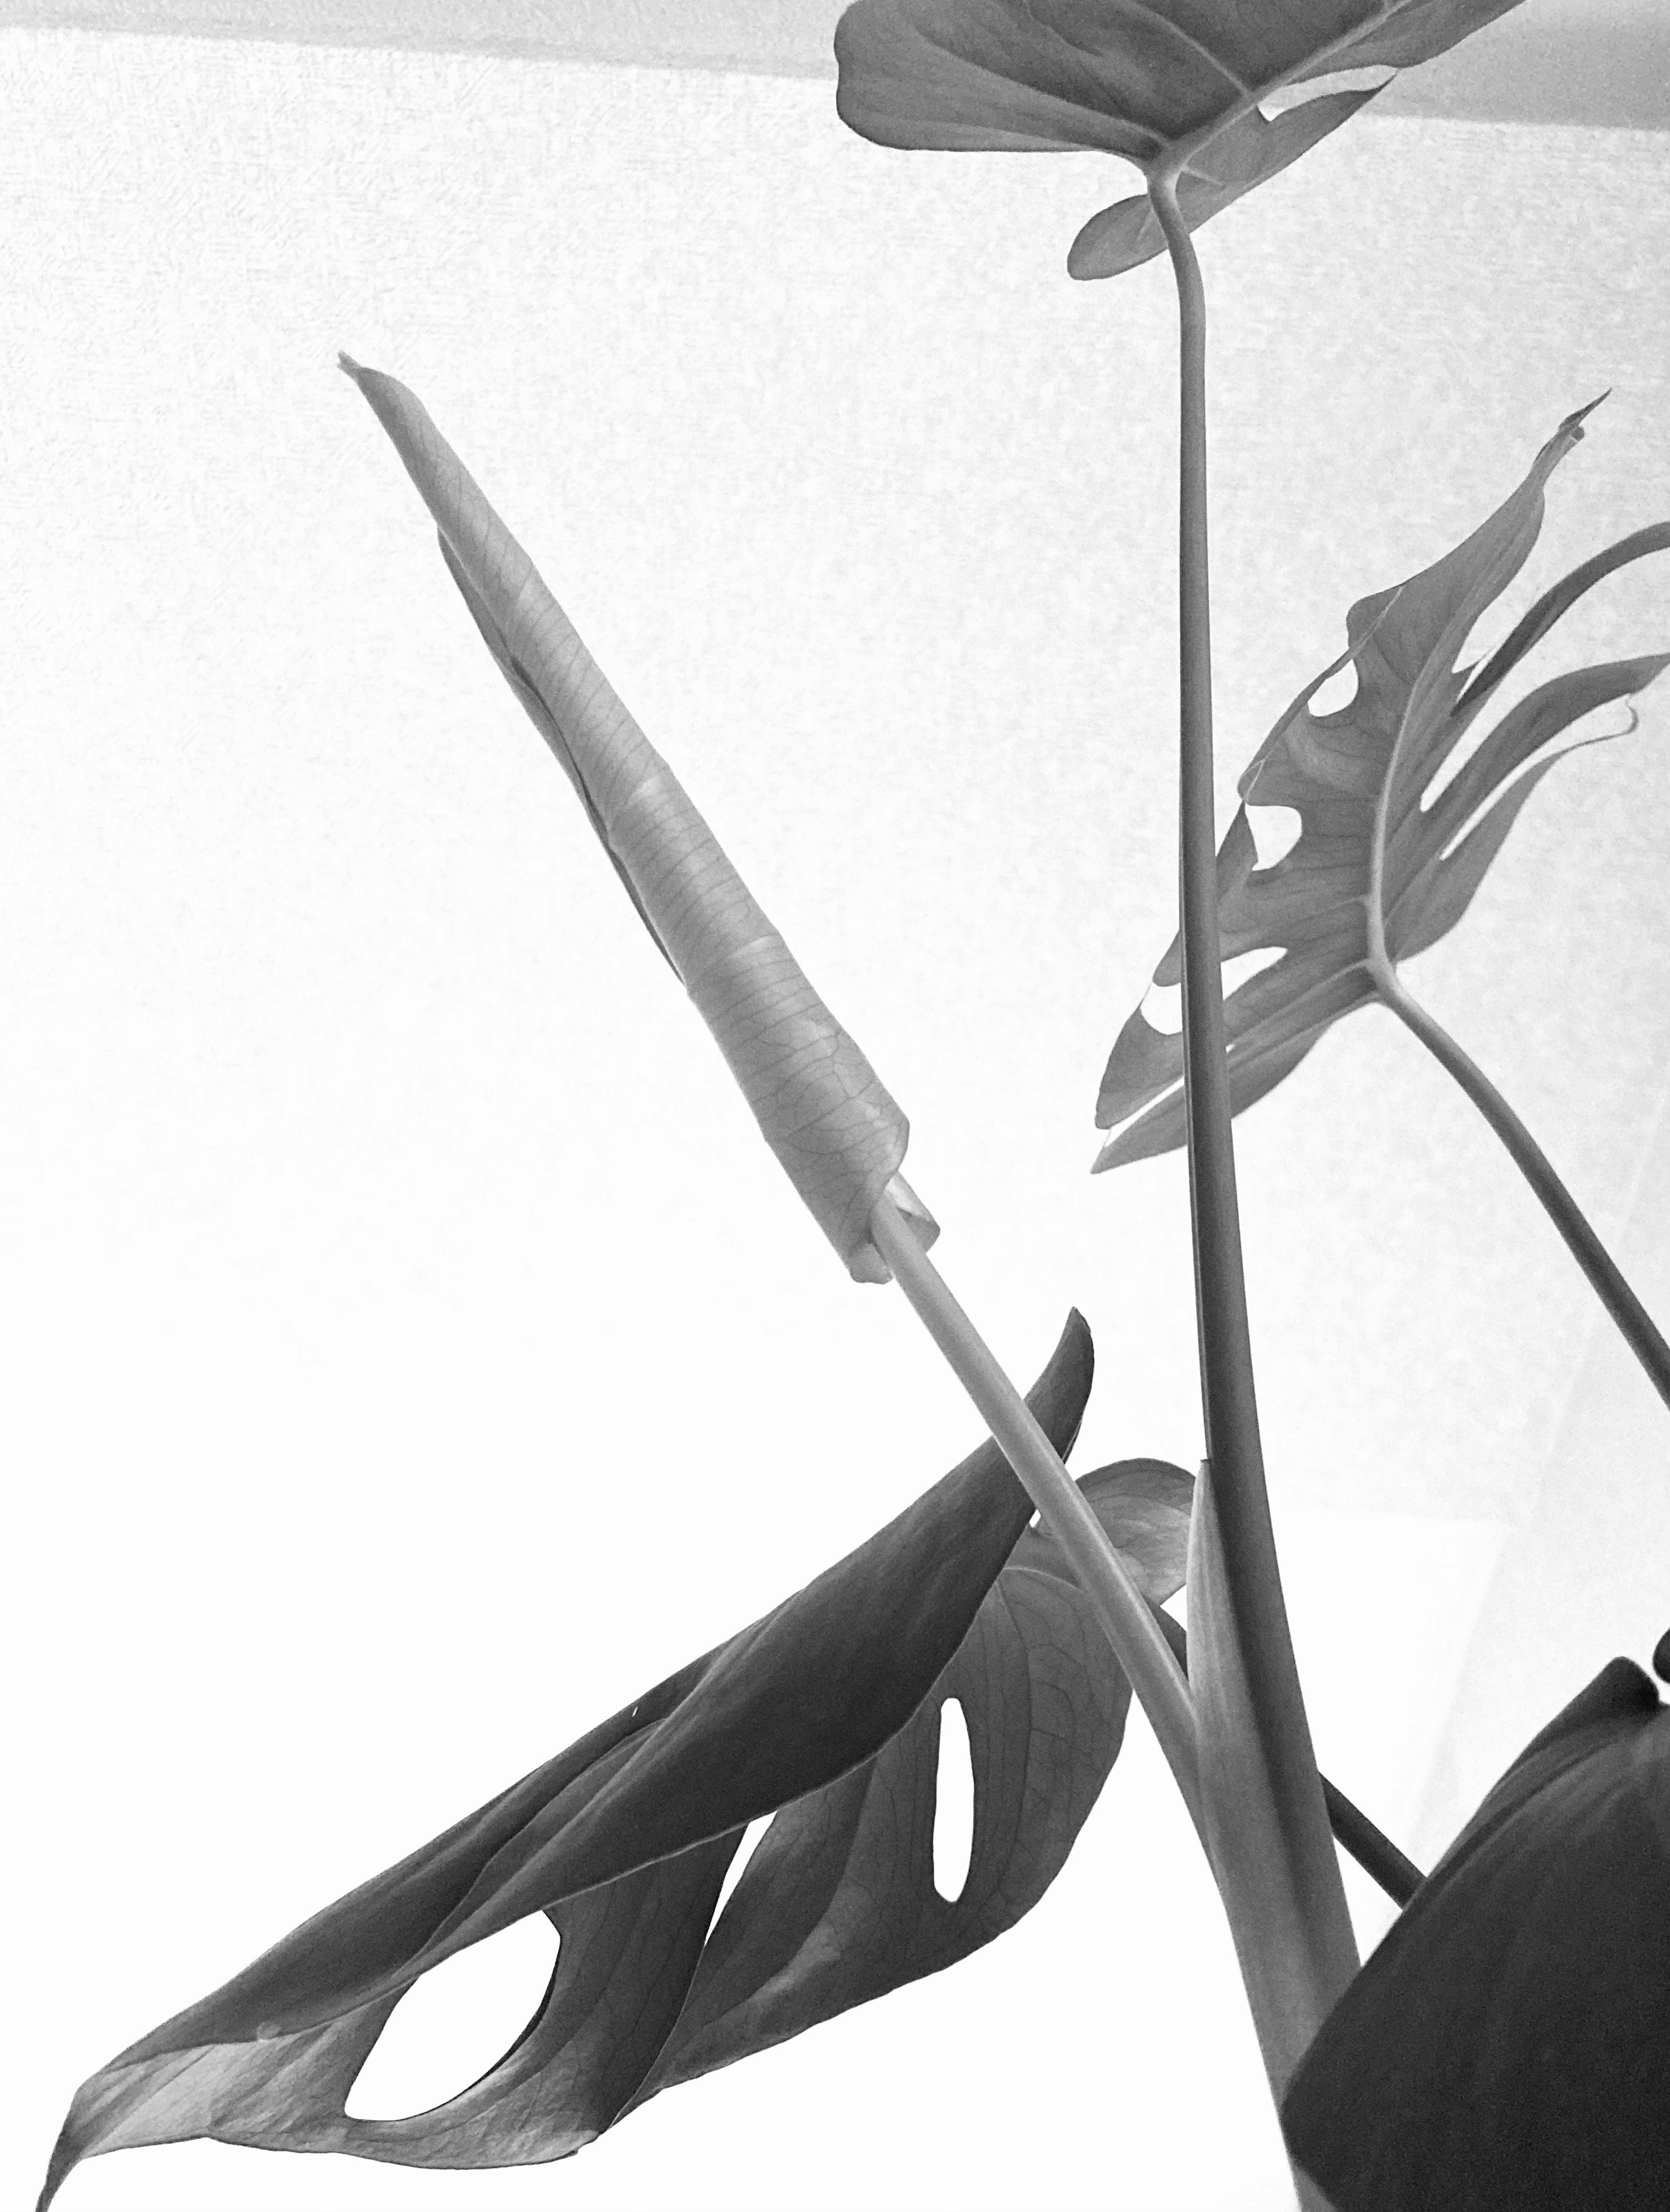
(1173, 85)
(1508, 2047)
(1383, 868)
(828, 1708)
(838, 1903)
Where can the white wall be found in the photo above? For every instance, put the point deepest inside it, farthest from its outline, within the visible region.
(1603, 63)
(413, 1352)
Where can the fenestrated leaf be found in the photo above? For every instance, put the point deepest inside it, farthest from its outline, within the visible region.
(1379, 865)
(1507, 2048)
(838, 1903)
(625, 1841)
(1175, 86)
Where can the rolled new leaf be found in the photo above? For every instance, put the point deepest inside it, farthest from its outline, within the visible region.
(819, 1104)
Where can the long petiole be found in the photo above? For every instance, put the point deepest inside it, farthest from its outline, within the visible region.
(1635, 1323)
(1278, 1871)
(1138, 1644)
(1229, 1402)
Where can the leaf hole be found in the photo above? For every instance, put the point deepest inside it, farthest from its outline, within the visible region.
(1162, 1003)
(1275, 830)
(1162, 1008)
(456, 2022)
(752, 1836)
(1368, 79)
(953, 1804)
(1242, 967)
(1335, 692)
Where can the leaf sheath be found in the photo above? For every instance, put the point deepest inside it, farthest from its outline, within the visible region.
(1353, 1830)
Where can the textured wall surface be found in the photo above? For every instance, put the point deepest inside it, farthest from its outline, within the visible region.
(413, 1351)
(1604, 63)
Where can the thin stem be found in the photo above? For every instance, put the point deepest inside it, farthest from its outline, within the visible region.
(1229, 1401)
(1281, 1878)
(1635, 1323)
(1138, 1644)
(1374, 1850)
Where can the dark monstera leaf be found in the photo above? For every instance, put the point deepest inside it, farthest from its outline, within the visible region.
(1175, 86)
(826, 1712)
(1380, 871)
(1507, 2049)
(838, 1903)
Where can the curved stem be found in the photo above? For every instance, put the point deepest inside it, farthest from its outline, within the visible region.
(1229, 1401)
(1275, 1860)
(1635, 1323)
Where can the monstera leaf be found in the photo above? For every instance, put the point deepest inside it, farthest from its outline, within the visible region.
(1508, 2047)
(826, 1713)
(1383, 868)
(1175, 86)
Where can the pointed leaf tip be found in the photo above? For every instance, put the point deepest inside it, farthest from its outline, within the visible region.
(821, 1108)
(826, 1712)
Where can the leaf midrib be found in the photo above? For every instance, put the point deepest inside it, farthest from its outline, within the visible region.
(1183, 150)
(1380, 964)
(1181, 37)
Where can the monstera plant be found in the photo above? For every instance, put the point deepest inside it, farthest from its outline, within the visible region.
(1509, 2044)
